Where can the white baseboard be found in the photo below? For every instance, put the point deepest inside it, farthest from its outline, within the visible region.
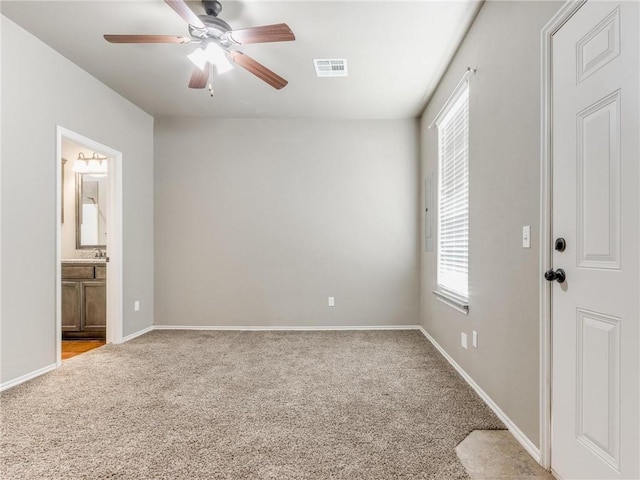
(277, 328)
(28, 376)
(41, 371)
(515, 431)
(48, 368)
(137, 334)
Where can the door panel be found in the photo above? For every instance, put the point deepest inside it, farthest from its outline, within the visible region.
(95, 302)
(598, 383)
(598, 177)
(71, 307)
(599, 46)
(595, 312)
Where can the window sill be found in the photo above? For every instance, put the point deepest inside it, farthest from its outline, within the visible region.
(454, 301)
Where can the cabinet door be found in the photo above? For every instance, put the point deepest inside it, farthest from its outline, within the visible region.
(95, 306)
(71, 307)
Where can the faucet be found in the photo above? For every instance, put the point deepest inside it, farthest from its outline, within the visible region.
(97, 253)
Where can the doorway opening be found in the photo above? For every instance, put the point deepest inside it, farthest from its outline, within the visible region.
(89, 286)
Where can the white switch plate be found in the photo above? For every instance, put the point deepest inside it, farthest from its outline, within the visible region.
(332, 301)
(136, 306)
(526, 236)
(463, 339)
(474, 339)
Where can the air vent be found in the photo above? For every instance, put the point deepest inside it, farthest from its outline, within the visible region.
(330, 67)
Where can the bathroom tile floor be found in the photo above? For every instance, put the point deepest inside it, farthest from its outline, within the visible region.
(496, 454)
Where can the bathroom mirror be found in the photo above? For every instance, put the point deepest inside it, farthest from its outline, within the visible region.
(91, 211)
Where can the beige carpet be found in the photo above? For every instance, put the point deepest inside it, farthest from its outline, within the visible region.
(236, 405)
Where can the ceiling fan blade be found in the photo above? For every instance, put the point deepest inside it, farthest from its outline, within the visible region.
(185, 12)
(199, 78)
(269, 33)
(146, 39)
(259, 70)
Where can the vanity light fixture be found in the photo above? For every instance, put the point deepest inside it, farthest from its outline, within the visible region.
(95, 165)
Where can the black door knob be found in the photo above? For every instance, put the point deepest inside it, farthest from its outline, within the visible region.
(557, 275)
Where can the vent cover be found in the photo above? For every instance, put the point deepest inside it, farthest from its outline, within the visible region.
(336, 67)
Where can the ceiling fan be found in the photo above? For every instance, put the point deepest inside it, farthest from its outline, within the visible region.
(216, 37)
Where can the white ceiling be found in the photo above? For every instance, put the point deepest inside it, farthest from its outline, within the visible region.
(396, 52)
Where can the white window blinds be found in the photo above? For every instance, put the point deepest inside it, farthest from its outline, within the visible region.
(453, 198)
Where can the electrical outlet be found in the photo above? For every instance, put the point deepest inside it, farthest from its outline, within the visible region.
(332, 301)
(463, 339)
(136, 306)
(474, 339)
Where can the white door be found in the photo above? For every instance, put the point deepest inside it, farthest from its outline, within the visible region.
(595, 311)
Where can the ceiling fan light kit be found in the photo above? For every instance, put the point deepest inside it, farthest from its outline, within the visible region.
(213, 54)
(216, 38)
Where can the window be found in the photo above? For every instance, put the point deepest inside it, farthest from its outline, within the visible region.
(453, 201)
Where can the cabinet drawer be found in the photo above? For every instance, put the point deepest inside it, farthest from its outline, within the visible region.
(101, 272)
(79, 272)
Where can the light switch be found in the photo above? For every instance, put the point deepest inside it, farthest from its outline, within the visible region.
(332, 301)
(526, 236)
(463, 339)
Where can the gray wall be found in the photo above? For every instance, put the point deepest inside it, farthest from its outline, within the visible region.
(259, 221)
(504, 172)
(42, 89)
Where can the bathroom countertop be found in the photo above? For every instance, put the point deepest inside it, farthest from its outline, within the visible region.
(84, 260)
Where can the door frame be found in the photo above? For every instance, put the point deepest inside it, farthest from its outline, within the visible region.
(546, 218)
(115, 282)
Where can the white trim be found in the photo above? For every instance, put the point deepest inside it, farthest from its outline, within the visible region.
(269, 328)
(137, 334)
(515, 431)
(455, 302)
(114, 220)
(58, 286)
(546, 206)
(0, 200)
(28, 376)
(115, 270)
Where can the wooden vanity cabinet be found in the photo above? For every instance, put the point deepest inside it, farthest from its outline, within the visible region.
(71, 307)
(84, 301)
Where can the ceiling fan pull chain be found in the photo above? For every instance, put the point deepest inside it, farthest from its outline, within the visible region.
(210, 80)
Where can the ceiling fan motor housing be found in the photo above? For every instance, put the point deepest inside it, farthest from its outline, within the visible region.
(214, 28)
(212, 7)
